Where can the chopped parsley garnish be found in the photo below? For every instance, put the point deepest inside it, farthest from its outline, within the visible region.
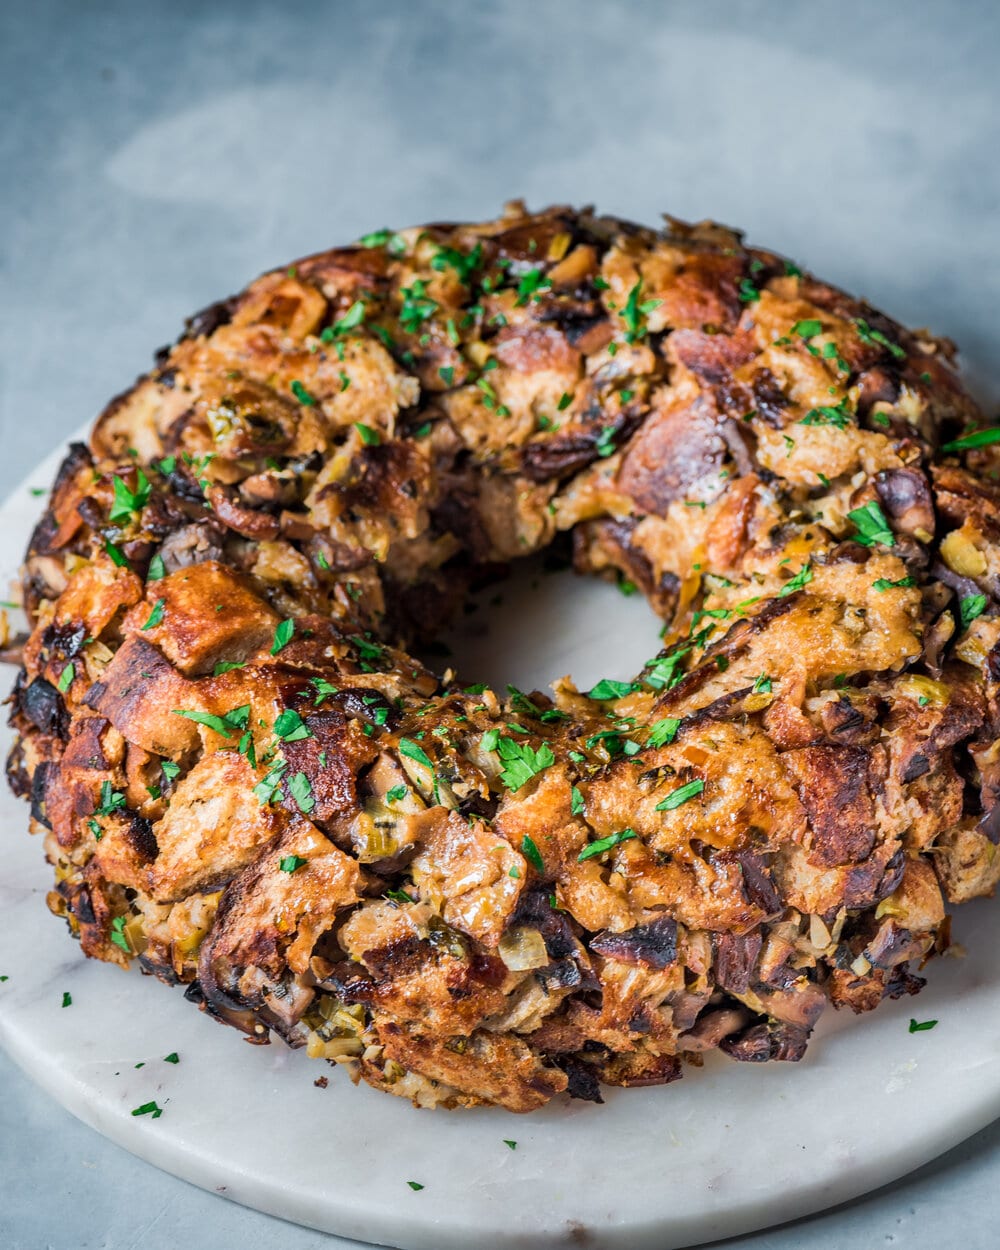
(169, 769)
(980, 438)
(511, 1145)
(67, 1000)
(677, 797)
(126, 501)
(576, 802)
(118, 935)
(531, 284)
(839, 416)
(227, 666)
(66, 677)
(608, 689)
(447, 374)
(323, 689)
(490, 739)
(370, 437)
(605, 844)
(290, 727)
(283, 635)
(302, 395)
(807, 329)
(971, 607)
(368, 650)
(149, 1108)
(232, 722)
(464, 263)
(157, 569)
(417, 307)
(662, 672)
(663, 732)
(265, 789)
(565, 399)
(875, 338)
(802, 578)
(532, 854)
(921, 1026)
(414, 751)
(396, 794)
(634, 313)
(414, 1185)
(111, 800)
(883, 583)
(301, 791)
(748, 293)
(156, 616)
(173, 1057)
(291, 863)
(762, 685)
(522, 762)
(117, 555)
(399, 896)
(604, 444)
(354, 316)
(871, 524)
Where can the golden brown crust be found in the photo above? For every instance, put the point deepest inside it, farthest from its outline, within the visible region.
(471, 898)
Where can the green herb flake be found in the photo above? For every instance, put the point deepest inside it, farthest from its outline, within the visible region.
(971, 607)
(565, 399)
(608, 689)
(227, 666)
(156, 616)
(605, 844)
(871, 524)
(576, 802)
(173, 1057)
(801, 579)
(748, 293)
(415, 1185)
(807, 329)
(762, 685)
(127, 502)
(678, 797)
(67, 999)
(291, 863)
(414, 751)
(532, 854)
(118, 935)
(663, 732)
(290, 727)
(302, 395)
(979, 438)
(111, 800)
(447, 374)
(903, 583)
(522, 762)
(157, 569)
(921, 1026)
(370, 437)
(876, 338)
(117, 555)
(265, 789)
(283, 635)
(66, 677)
(149, 1108)
(396, 794)
(224, 725)
(839, 416)
(301, 791)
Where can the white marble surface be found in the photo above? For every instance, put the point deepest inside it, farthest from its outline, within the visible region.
(155, 155)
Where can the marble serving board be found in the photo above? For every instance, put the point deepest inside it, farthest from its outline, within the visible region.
(728, 1149)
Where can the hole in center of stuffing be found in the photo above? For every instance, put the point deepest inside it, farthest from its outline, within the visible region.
(542, 623)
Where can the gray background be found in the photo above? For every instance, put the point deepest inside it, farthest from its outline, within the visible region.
(154, 156)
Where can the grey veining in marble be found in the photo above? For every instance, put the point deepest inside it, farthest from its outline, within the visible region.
(153, 156)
